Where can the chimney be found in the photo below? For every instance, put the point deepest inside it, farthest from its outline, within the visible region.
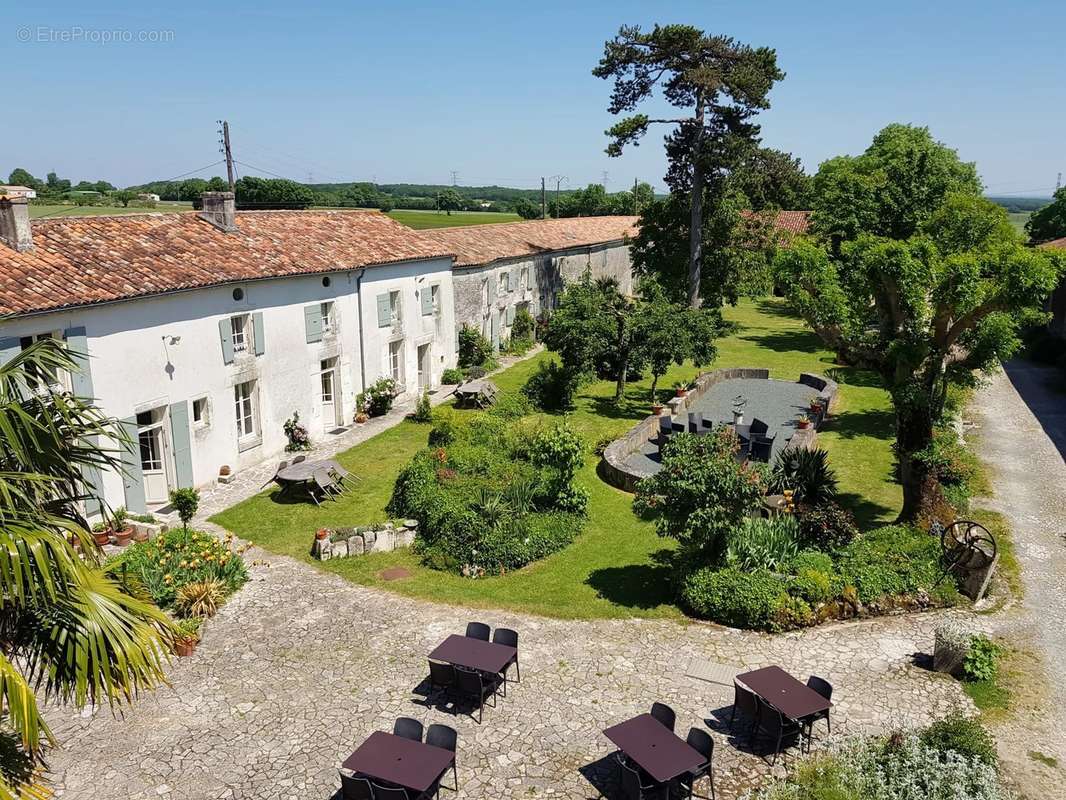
(220, 210)
(15, 223)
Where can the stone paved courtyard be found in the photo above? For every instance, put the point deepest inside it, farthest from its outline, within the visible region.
(300, 666)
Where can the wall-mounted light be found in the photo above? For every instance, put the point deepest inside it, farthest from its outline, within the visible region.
(173, 340)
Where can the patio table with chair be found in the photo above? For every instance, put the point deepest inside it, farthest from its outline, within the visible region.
(780, 705)
(397, 766)
(651, 757)
(478, 393)
(326, 478)
(473, 667)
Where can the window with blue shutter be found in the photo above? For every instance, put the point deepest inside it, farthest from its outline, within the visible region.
(313, 323)
(132, 476)
(426, 296)
(510, 315)
(182, 442)
(384, 311)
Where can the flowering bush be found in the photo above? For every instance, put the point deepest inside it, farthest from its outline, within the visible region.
(296, 433)
(174, 559)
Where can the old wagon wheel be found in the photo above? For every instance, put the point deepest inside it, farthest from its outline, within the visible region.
(969, 543)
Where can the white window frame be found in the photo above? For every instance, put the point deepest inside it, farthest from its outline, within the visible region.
(523, 278)
(395, 307)
(329, 322)
(246, 411)
(505, 281)
(205, 415)
(396, 361)
(241, 333)
(327, 366)
(60, 380)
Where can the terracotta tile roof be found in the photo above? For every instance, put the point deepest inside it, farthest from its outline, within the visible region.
(481, 244)
(793, 221)
(1055, 244)
(85, 260)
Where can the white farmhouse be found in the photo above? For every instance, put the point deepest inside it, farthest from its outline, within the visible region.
(206, 331)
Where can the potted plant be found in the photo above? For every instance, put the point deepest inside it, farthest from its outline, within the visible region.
(188, 636)
(681, 388)
(101, 534)
(816, 405)
(322, 533)
(656, 408)
(803, 422)
(120, 526)
(224, 470)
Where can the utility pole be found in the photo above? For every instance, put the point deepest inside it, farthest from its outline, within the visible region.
(558, 182)
(227, 151)
(636, 208)
(543, 201)
(605, 180)
(1058, 182)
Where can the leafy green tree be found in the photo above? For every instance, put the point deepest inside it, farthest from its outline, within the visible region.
(1049, 222)
(56, 185)
(185, 502)
(721, 83)
(272, 193)
(701, 495)
(22, 177)
(526, 209)
(124, 196)
(191, 189)
(449, 200)
(71, 633)
(931, 310)
(771, 179)
(579, 328)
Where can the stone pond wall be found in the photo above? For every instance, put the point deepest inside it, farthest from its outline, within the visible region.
(618, 473)
(344, 542)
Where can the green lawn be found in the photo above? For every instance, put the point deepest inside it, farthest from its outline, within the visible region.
(615, 568)
(433, 219)
(1019, 218)
(69, 210)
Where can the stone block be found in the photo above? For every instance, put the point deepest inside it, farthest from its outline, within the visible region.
(404, 538)
(355, 544)
(383, 543)
(369, 537)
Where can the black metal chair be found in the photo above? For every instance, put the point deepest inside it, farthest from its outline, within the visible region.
(441, 676)
(508, 637)
(634, 788)
(700, 741)
(777, 727)
(445, 738)
(695, 422)
(274, 477)
(384, 792)
(355, 787)
(478, 630)
(299, 459)
(825, 689)
(476, 686)
(408, 728)
(664, 714)
(747, 703)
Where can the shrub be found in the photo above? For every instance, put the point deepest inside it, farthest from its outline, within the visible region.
(189, 628)
(120, 518)
(511, 406)
(296, 433)
(963, 735)
(523, 327)
(423, 409)
(174, 559)
(981, 662)
(474, 348)
(759, 543)
(451, 376)
(185, 501)
(894, 560)
(701, 494)
(736, 598)
(827, 525)
(562, 452)
(812, 559)
(199, 599)
(812, 585)
(376, 399)
(551, 387)
(806, 473)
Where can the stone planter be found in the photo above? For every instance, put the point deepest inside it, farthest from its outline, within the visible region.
(122, 537)
(345, 542)
(142, 531)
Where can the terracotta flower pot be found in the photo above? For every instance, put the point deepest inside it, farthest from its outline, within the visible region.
(185, 647)
(122, 537)
(322, 533)
(681, 392)
(804, 424)
(657, 409)
(361, 418)
(140, 534)
(102, 537)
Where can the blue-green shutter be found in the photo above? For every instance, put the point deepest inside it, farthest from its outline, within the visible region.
(257, 333)
(496, 329)
(225, 334)
(492, 289)
(9, 348)
(384, 311)
(427, 301)
(132, 477)
(510, 315)
(313, 323)
(81, 383)
(179, 436)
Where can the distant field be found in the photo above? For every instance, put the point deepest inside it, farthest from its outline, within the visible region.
(431, 219)
(95, 211)
(1019, 218)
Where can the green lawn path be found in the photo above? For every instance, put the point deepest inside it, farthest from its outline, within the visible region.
(615, 568)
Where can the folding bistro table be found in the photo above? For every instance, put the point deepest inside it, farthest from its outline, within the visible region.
(655, 747)
(791, 697)
(466, 651)
(413, 765)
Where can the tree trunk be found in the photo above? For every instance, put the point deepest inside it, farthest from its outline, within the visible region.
(914, 434)
(654, 383)
(620, 385)
(695, 234)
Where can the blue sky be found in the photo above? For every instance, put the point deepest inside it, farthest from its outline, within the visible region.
(502, 92)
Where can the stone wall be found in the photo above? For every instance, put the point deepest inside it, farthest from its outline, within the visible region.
(614, 469)
(344, 542)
